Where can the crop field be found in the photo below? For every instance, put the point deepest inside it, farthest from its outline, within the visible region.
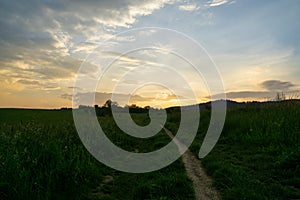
(256, 157)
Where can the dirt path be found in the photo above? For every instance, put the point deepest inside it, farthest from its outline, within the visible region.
(201, 182)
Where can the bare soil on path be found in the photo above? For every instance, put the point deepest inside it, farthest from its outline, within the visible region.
(201, 182)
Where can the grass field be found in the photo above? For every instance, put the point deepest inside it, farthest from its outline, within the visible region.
(43, 158)
(257, 157)
(258, 154)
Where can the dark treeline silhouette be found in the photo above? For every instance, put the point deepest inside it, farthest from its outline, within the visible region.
(106, 108)
(234, 104)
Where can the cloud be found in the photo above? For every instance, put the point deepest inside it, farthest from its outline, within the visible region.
(47, 40)
(272, 87)
(189, 7)
(205, 5)
(148, 53)
(255, 95)
(246, 95)
(50, 88)
(77, 16)
(32, 84)
(28, 82)
(214, 3)
(133, 82)
(84, 47)
(130, 62)
(276, 85)
(66, 96)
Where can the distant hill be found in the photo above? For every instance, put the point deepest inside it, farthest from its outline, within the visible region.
(233, 104)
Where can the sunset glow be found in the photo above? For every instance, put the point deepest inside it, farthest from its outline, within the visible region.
(254, 44)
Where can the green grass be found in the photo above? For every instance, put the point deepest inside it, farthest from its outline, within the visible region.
(42, 157)
(47, 117)
(257, 157)
(258, 154)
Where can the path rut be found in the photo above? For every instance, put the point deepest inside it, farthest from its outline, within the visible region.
(202, 183)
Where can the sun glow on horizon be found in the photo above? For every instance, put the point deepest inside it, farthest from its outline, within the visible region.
(42, 51)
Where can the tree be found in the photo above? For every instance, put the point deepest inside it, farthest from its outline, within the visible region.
(280, 96)
(107, 104)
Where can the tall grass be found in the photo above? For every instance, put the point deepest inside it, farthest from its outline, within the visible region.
(258, 154)
(42, 157)
(44, 162)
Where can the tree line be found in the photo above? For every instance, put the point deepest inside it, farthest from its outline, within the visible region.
(106, 108)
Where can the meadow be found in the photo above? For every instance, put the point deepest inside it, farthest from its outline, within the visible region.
(258, 153)
(42, 157)
(256, 157)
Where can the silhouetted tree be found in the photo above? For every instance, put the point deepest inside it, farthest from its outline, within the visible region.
(107, 104)
(280, 96)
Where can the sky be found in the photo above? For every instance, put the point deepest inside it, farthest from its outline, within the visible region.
(44, 44)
